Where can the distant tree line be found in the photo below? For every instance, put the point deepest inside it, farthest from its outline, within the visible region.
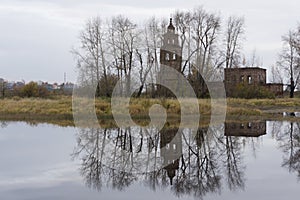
(31, 89)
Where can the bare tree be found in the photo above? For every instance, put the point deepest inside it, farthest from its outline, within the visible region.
(123, 38)
(91, 57)
(254, 60)
(276, 76)
(296, 43)
(204, 31)
(289, 59)
(147, 54)
(144, 69)
(296, 39)
(183, 20)
(234, 33)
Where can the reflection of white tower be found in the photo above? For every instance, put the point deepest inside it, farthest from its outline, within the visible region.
(170, 55)
(171, 150)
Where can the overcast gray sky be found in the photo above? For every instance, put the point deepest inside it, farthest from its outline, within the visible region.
(36, 35)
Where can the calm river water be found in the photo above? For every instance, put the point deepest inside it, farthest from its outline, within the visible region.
(253, 160)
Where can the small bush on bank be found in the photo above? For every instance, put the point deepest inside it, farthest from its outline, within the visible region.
(32, 89)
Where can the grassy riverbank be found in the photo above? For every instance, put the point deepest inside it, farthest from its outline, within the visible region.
(60, 108)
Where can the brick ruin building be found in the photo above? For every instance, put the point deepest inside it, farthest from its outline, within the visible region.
(254, 76)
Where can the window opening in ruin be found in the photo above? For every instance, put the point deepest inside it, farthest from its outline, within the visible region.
(249, 80)
(242, 78)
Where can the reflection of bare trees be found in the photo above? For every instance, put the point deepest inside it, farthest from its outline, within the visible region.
(233, 143)
(234, 173)
(88, 146)
(200, 172)
(289, 138)
(107, 156)
(189, 164)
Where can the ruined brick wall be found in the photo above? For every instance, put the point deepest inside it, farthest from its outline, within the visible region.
(276, 88)
(235, 76)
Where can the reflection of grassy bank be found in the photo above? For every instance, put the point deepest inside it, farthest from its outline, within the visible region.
(172, 123)
(61, 108)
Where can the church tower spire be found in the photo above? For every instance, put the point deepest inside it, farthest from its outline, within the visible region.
(170, 56)
(170, 51)
(171, 27)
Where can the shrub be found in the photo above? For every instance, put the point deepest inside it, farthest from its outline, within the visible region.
(106, 86)
(252, 91)
(32, 89)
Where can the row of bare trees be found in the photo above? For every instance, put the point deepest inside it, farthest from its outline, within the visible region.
(119, 49)
(203, 42)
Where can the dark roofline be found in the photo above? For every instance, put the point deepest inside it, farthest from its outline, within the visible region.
(244, 68)
(274, 84)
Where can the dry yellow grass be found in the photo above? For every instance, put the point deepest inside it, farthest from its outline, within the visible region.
(139, 108)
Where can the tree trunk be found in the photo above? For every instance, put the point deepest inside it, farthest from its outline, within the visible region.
(140, 91)
(292, 89)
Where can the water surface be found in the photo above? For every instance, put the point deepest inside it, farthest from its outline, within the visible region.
(250, 160)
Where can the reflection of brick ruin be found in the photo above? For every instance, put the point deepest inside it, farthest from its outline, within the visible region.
(171, 150)
(254, 76)
(249, 129)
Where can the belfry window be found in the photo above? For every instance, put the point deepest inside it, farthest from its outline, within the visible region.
(168, 146)
(174, 56)
(167, 56)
